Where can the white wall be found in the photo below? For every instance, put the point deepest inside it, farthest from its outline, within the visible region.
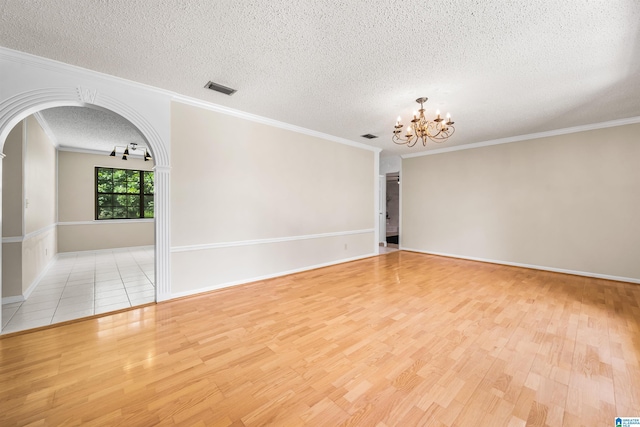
(250, 200)
(30, 83)
(77, 228)
(389, 164)
(568, 202)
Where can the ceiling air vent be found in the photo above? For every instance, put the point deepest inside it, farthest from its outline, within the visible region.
(369, 136)
(220, 88)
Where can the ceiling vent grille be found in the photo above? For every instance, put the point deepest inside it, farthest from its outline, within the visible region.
(369, 136)
(219, 88)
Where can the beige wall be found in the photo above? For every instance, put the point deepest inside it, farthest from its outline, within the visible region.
(39, 245)
(12, 184)
(76, 203)
(12, 213)
(234, 180)
(39, 178)
(37, 252)
(567, 202)
(11, 269)
(104, 235)
(210, 268)
(30, 167)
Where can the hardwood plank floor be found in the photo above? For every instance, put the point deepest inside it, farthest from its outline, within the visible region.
(401, 339)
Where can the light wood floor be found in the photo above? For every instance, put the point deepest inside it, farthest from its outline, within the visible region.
(401, 339)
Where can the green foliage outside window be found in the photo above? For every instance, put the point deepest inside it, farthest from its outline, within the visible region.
(123, 194)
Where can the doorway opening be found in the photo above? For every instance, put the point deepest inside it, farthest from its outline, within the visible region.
(73, 262)
(391, 217)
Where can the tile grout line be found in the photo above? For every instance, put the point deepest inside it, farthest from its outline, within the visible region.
(75, 259)
(8, 324)
(77, 264)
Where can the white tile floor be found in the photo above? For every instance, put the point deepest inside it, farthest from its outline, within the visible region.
(83, 284)
(391, 247)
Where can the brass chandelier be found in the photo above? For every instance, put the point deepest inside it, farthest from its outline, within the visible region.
(422, 129)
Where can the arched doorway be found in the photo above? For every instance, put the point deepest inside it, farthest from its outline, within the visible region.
(16, 108)
(82, 242)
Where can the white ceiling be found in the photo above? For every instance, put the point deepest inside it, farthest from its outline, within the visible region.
(81, 128)
(347, 68)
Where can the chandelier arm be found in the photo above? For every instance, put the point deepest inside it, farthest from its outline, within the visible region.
(437, 130)
(439, 139)
(409, 142)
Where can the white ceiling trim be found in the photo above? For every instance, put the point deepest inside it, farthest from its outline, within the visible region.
(264, 120)
(57, 66)
(47, 130)
(83, 150)
(594, 126)
(95, 151)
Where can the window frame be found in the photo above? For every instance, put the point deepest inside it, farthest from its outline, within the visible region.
(141, 194)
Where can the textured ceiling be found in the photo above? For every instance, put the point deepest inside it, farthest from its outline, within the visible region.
(81, 128)
(351, 67)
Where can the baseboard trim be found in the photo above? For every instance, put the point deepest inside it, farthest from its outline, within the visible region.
(37, 280)
(119, 249)
(12, 300)
(107, 222)
(531, 266)
(32, 287)
(267, 276)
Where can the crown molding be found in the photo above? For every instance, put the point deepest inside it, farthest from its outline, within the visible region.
(95, 151)
(57, 66)
(47, 130)
(556, 132)
(271, 122)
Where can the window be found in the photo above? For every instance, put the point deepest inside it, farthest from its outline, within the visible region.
(123, 193)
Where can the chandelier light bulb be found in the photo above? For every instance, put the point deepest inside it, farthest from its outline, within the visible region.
(436, 130)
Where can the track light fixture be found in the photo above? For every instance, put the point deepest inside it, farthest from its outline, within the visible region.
(133, 146)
